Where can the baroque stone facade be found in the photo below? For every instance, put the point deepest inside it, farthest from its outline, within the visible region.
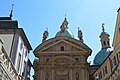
(62, 58)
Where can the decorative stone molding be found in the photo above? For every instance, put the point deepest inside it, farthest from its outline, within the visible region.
(8, 69)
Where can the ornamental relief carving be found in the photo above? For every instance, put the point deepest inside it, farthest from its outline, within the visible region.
(62, 69)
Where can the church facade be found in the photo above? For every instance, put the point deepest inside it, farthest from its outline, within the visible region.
(65, 58)
(62, 57)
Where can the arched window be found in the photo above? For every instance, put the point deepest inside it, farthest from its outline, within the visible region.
(104, 42)
(108, 42)
(62, 48)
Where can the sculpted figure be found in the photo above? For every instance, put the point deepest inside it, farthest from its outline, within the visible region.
(45, 35)
(80, 36)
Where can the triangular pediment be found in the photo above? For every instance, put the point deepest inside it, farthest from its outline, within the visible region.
(55, 44)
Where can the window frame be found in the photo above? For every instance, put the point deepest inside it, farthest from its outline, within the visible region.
(62, 48)
(118, 56)
(100, 75)
(19, 61)
(105, 70)
(104, 42)
(113, 62)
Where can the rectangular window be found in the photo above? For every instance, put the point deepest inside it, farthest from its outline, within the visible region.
(21, 46)
(0, 77)
(19, 60)
(119, 57)
(105, 70)
(100, 75)
(113, 62)
(26, 54)
(24, 72)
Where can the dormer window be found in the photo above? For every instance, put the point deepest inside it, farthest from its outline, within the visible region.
(62, 48)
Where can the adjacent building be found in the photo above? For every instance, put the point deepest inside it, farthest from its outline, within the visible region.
(109, 69)
(101, 56)
(62, 57)
(104, 52)
(14, 51)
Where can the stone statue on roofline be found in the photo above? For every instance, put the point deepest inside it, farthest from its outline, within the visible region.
(80, 35)
(64, 26)
(45, 35)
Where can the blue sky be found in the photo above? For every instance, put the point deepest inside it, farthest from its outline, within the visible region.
(35, 15)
